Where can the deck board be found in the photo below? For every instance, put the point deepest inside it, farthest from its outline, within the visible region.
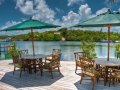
(69, 80)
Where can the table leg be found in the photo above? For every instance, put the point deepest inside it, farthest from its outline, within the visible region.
(40, 66)
(106, 75)
(29, 67)
(34, 65)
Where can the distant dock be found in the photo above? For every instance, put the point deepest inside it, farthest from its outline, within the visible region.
(5, 48)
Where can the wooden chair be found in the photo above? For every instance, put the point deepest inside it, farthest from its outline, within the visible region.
(54, 52)
(52, 64)
(23, 52)
(39, 65)
(114, 75)
(79, 56)
(18, 63)
(88, 69)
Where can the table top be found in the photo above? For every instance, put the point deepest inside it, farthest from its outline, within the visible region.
(111, 62)
(36, 56)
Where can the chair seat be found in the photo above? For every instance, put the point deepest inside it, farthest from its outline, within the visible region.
(78, 62)
(18, 65)
(52, 65)
(49, 58)
(52, 62)
(91, 72)
(116, 74)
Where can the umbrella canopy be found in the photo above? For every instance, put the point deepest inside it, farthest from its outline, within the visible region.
(102, 20)
(26, 25)
(107, 19)
(30, 25)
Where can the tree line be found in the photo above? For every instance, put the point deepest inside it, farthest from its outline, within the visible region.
(69, 35)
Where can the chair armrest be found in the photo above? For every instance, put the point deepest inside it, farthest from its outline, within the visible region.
(49, 57)
(116, 70)
(78, 52)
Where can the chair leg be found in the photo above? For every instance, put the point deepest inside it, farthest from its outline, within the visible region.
(81, 78)
(93, 82)
(41, 70)
(105, 81)
(97, 80)
(51, 73)
(20, 72)
(113, 81)
(59, 70)
(76, 68)
(109, 81)
(14, 70)
(49, 70)
(24, 69)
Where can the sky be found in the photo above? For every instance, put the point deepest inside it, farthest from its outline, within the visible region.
(59, 12)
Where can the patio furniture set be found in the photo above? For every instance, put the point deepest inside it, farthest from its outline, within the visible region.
(100, 68)
(108, 71)
(25, 61)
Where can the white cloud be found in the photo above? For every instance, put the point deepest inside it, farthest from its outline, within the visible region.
(103, 10)
(43, 12)
(71, 2)
(8, 24)
(85, 11)
(40, 11)
(73, 18)
(70, 18)
(59, 10)
(36, 8)
(25, 7)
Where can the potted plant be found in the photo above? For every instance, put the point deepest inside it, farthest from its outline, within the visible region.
(89, 48)
(117, 50)
(13, 50)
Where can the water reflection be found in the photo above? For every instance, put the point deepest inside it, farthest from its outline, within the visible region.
(67, 48)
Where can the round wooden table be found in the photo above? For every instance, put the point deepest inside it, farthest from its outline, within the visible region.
(28, 58)
(112, 63)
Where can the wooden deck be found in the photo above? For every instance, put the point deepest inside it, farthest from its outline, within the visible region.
(67, 81)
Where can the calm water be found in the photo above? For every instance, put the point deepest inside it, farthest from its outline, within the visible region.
(67, 48)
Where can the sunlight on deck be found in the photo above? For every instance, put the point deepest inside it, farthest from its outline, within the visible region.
(68, 80)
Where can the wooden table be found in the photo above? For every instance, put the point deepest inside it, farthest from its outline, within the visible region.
(113, 62)
(29, 58)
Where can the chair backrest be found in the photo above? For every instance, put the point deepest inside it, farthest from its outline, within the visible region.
(23, 52)
(56, 57)
(16, 57)
(87, 63)
(56, 51)
(79, 55)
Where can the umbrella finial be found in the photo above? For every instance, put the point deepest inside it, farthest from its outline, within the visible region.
(109, 11)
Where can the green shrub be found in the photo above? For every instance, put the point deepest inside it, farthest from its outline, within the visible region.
(117, 47)
(89, 47)
(13, 50)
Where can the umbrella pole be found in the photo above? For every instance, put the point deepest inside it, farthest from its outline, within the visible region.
(33, 41)
(108, 41)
